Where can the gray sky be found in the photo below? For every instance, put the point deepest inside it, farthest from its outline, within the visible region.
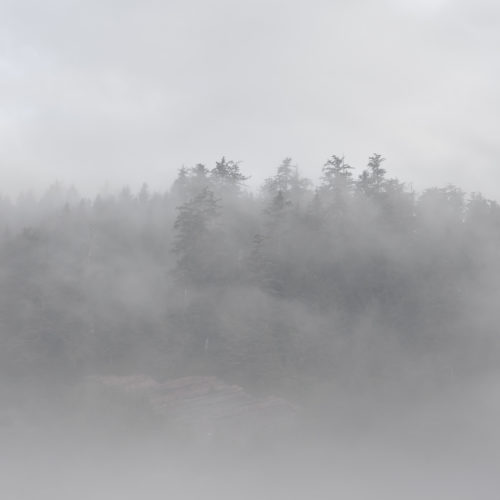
(127, 91)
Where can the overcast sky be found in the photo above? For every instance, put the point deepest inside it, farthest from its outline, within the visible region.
(122, 91)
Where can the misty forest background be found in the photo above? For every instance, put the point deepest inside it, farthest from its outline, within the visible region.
(296, 289)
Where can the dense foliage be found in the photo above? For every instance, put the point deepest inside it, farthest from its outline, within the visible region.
(297, 287)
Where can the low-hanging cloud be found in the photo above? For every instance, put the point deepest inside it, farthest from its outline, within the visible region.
(96, 91)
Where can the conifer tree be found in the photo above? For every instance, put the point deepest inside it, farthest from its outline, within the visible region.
(371, 181)
(194, 228)
(336, 182)
(227, 176)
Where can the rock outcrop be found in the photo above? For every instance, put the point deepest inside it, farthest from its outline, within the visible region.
(203, 407)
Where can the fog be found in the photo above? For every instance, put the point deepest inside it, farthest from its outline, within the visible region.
(100, 92)
(305, 339)
(186, 311)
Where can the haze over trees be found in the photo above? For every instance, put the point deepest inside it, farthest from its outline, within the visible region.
(297, 288)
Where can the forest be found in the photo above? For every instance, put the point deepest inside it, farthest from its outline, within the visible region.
(355, 283)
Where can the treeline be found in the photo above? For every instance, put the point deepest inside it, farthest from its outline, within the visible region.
(298, 287)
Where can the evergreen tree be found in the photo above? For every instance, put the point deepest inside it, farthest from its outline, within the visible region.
(288, 184)
(194, 228)
(181, 183)
(227, 176)
(336, 183)
(337, 174)
(371, 181)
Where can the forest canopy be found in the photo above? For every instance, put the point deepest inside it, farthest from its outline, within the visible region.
(357, 279)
